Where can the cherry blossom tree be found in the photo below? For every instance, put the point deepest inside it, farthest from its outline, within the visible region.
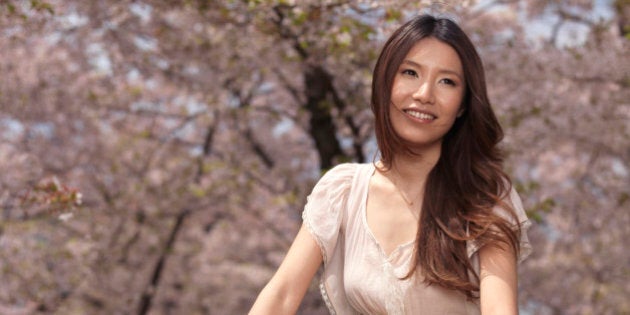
(156, 155)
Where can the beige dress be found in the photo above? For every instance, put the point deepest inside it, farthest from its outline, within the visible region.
(358, 277)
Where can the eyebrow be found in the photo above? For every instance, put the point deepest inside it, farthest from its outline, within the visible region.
(442, 70)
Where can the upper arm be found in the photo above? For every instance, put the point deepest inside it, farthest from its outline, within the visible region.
(498, 262)
(318, 236)
(498, 280)
(287, 287)
(301, 263)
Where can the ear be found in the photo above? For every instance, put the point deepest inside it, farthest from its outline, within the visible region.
(461, 112)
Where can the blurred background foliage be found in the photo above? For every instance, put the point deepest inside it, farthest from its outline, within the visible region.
(156, 155)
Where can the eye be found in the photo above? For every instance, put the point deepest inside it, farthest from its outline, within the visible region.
(448, 82)
(410, 72)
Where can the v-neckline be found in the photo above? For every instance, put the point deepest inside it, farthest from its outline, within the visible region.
(363, 212)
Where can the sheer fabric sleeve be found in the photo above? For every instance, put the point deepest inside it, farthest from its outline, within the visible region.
(323, 213)
(525, 248)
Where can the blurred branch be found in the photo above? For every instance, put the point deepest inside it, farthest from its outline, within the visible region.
(151, 113)
(262, 183)
(598, 79)
(152, 286)
(258, 148)
(568, 16)
(555, 30)
(288, 86)
(207, 146)
(286, 33)
(349, 120)
(244, 98)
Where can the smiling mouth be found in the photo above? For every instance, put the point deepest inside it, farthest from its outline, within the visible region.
(419, 115)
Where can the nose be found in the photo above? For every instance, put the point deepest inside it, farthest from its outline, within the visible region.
(424, 93)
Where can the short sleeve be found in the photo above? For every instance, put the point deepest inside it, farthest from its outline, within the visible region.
(525, 248)
(323, 213)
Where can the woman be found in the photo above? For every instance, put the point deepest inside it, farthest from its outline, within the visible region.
(434, 227)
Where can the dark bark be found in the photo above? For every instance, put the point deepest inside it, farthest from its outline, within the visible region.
(357, 142)
(318, 88)
(321, 97)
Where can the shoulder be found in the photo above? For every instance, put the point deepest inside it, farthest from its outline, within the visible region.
(516, 218)
(516, 214)
(337, 182)
(343, 169)
(343, 174)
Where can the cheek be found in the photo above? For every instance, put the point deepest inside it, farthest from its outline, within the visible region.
(453, 102)
(396, 117)
(394, 111)
(396, 92)
(400, 90)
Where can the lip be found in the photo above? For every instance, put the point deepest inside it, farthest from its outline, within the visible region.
(419, 111)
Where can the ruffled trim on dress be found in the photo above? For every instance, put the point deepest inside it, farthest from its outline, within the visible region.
(322, 285)
(322, 290)
(317, 238)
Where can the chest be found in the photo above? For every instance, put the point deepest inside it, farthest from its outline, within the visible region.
(375, 280)
(391, 221)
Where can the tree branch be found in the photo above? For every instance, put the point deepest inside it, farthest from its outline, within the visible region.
(151, 288)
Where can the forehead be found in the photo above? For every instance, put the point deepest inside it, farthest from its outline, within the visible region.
(433, 53)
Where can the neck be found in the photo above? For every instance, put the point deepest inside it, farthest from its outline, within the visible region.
(408, 174)
(411, 169)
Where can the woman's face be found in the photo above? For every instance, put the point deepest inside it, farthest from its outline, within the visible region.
(427, 93)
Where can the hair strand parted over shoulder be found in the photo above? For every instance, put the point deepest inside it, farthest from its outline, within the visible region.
(468, 181)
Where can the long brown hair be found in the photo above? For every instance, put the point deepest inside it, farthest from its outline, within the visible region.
(468, 180)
